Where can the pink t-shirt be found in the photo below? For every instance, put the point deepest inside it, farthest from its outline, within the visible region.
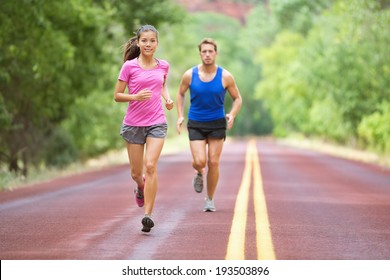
(150, 112)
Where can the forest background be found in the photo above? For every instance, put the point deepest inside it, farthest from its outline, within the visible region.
(313, 68)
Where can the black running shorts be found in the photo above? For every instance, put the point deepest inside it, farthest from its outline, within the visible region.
(204, 130)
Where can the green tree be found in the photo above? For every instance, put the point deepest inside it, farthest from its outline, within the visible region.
(138, 12)
(54, 54)
(332, 80)
(47, 58)
(374, 129)
(297, 15)
(346, 66)
(279, 88)
(259, 32)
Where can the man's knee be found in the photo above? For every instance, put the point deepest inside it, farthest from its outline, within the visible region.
(213, 163)
(199, 164)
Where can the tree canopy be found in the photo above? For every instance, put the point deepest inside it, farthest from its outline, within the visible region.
(319, 68)
(54, 54)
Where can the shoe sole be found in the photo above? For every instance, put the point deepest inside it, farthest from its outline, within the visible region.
(147, 224)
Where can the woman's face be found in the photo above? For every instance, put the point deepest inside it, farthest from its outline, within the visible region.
(147, 43)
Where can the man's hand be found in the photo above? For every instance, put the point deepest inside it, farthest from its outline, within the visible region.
(179, 123)
(230, 120)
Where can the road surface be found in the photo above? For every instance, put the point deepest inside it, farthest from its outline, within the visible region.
(273, 202)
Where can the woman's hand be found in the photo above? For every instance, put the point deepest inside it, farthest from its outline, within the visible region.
(143, 95)
(169, 104)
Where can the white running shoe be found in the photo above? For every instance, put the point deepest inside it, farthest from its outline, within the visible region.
(209, 205)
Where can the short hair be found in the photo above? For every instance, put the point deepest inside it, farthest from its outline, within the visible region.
(207, 41)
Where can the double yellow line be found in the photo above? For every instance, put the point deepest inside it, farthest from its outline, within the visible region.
(236, 244)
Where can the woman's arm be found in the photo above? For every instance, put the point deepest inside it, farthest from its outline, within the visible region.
(166, 96)
(121, 96)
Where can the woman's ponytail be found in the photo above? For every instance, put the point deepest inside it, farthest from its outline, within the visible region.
(130, 49)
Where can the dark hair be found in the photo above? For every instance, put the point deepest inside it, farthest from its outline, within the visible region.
(130, 49)
(207, 41)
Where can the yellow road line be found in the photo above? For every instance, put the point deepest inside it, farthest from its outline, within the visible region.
(236, 243)
(265, 248)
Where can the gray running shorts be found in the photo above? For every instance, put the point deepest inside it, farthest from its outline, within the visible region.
(138, 134)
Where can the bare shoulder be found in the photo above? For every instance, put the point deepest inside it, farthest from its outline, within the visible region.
(188, 72)
(187, 76)
(227, 77)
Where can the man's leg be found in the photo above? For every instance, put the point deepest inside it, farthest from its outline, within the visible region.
(214, 153)
(198, 150)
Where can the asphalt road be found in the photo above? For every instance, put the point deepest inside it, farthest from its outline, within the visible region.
(273, 202)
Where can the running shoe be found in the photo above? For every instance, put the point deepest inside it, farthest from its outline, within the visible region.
(197, 182)
(147, 223)
(209, 205)
(139, 194)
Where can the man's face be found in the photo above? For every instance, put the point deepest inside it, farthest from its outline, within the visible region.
(208, 54)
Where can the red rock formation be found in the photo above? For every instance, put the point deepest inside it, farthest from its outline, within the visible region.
(236, 10)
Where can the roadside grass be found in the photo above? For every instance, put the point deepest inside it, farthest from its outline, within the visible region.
(10, 181)
(350, 153)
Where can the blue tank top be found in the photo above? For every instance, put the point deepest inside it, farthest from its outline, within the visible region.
(207, 98)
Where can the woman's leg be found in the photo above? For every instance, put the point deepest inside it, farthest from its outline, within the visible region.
(136, 156)
(153, 150)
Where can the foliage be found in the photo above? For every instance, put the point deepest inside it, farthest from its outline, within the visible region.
(60, 149)
(279, 86)
(48, 55)
(374, 129)
(331, 83)
(138, 12)
(260, 30)
(297, 15)
(54, 54)
(345, 43)
(318, 67)
(95, 129)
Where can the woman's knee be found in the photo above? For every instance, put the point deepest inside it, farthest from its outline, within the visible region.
(150, 167)
(136, 176)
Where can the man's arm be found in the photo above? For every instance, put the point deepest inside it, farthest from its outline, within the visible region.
(234, 92)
